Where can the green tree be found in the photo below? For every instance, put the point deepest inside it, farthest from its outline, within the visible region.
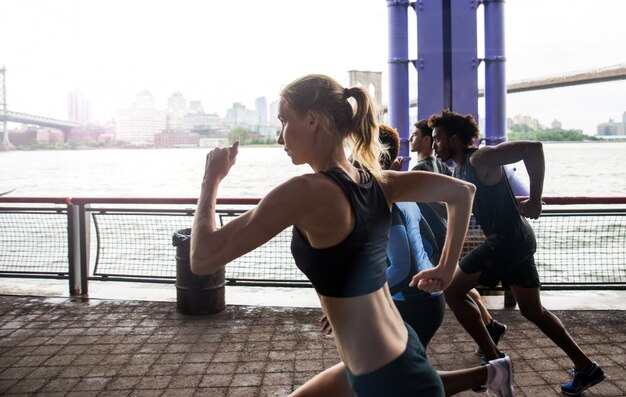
(238, 133)
(551, 135)
(520, 128)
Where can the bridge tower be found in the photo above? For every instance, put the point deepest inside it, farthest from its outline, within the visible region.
(372, 83)
(3, 107)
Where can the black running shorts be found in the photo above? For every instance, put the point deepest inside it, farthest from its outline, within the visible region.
(408, 375)
(501, 259)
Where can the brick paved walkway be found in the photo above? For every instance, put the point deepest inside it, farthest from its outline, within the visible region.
(65, 347)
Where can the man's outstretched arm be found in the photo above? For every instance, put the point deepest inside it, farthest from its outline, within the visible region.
(531, 153)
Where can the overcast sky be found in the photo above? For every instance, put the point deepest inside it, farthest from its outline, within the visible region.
(226, 51)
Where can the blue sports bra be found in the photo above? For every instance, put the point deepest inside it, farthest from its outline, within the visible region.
(357, 265)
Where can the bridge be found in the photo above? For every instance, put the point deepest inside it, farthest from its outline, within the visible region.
(24, 118)
(591, 76)
(610, 73)
(16, 117)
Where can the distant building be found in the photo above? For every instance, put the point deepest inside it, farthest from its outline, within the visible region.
(85, 134)
(199, 122)
(78, 108)
(175, 139)
(612, 128)
(196, 120)
(239, 116)
(139, 124)
(176, 110)
(260, 105)
(556, 125)
(26, 135)
(196, 107)
(50, 135)
(273, 119)
(522, 120)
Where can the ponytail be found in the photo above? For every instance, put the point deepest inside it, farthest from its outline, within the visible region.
(363, 131)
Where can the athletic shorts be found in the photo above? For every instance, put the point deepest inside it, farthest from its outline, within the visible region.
(503, 260)
(408, 375)
(424, 314)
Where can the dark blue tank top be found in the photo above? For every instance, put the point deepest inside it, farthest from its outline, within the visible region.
(357, 265)
(495, 206)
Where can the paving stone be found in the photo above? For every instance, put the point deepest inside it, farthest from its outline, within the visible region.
(83, 393)
(185, 381)
(59, 385)
(216, 380)
(192, 369)
(27, 386)
(275, 391)
(242, 392)
(122, 348)
(146, 393)
(162, 369)
(89, 384)
(154, 382)
(6, 384)
(211, 392)
(179, 392)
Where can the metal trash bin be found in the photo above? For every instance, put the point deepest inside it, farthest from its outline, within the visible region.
(196, 294)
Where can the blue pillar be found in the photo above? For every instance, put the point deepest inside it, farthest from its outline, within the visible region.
(399, 72)
(495, 91)
(431, 97)
(464, 58)
(495, 76)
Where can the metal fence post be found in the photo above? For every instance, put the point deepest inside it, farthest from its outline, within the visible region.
(509, 299)
(78, 238)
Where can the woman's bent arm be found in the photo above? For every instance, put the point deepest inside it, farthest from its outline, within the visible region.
(458, 196)
(213, 248)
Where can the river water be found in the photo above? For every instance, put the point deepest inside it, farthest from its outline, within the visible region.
(572, 169)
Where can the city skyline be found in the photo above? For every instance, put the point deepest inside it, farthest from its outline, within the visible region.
(111, 51)
(513, 118)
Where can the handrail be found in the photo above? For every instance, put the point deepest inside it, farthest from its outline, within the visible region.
(39, 200)
(159, 200)
(125, 200)
(575, 200)
(553, 200)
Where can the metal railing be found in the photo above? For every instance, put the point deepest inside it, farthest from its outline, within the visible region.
(581, 242)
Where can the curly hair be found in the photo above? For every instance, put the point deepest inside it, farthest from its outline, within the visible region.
(390, 138)
(453, 123)
(422, 125)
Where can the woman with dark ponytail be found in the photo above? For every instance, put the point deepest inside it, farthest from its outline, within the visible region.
(341, 217)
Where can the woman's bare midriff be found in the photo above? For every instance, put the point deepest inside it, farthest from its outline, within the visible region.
(368, 329)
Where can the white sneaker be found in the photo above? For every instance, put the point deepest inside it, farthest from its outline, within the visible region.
(500, 377)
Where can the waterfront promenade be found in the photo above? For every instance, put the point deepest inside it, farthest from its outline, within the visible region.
(58, 346)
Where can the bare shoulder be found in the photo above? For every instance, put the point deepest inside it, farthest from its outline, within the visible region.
(308, 183)
(387, 181)
(304, 191)
(501, 154)
(397, 184)
(483, 153)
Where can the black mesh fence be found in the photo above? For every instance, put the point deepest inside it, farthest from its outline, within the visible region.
(573, 248)
(270, 262)
(34, 242)
(136, 244)
(583, 248)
